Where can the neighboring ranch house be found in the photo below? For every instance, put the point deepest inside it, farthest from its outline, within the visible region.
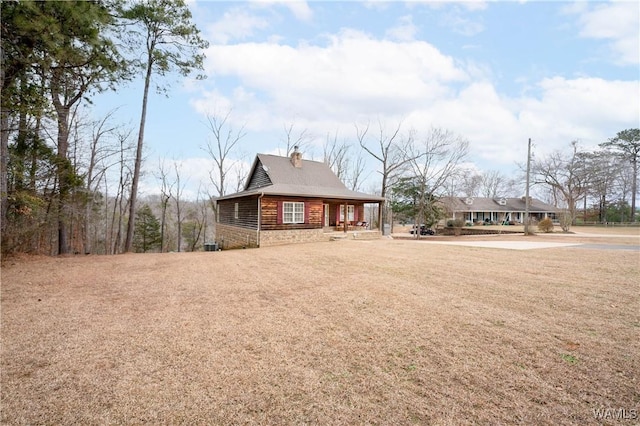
(286, 200)
(496, 210)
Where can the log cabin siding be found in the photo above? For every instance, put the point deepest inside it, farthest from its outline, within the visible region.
(270, 210)
(259, 178)
(247, 212)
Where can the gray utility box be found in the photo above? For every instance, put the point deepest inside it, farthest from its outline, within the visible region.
(211, 247)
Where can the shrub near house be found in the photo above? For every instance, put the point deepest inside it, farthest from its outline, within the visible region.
(545, 225)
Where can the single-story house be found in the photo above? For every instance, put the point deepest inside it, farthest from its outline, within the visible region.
(286, 200)
(496, 210)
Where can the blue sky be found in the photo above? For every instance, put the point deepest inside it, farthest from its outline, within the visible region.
(496, 73)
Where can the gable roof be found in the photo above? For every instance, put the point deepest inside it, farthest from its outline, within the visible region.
(482, 204)
(275, 175)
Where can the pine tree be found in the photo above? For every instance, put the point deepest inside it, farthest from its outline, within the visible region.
(627, 142)
(147, 233)
(163, 30)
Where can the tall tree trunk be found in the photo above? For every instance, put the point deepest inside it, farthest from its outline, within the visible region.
(63, 177)
(163, 223)
(136, 170)
(634, 188)
(21, 147)
(63, 101)
(4, 147)
(4, 163)
(35, 148)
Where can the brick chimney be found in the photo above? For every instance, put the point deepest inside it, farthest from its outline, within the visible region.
(296, 158)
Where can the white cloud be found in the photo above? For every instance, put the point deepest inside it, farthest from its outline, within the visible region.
(299, 8)
(242, 22)
(457, 16)
(354, 77)
(379, 5)
(480, 114)
(235, 24)
(471, 5)
(353, 72)
(461, 25)
(404, 31)
(590, 109)
(617, 22)
(475, 4)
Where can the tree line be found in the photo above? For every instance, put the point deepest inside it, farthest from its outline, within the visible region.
(55, 56)
(600, 185)
(69, 183)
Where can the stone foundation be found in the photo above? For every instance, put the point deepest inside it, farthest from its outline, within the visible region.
(274, 238)
(234, 237)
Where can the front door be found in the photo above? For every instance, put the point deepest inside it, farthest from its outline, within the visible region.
(326, 215)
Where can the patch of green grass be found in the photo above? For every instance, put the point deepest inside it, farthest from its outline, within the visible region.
(570, 359)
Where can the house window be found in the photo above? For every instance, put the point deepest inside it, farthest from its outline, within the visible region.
(235, 211)
(350, 213)
(292, 212)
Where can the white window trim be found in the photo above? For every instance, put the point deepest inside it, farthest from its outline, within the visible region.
(235, 211)
(295, 212)
(351, 215)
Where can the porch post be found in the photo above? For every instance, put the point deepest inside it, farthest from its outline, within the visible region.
(346, 215)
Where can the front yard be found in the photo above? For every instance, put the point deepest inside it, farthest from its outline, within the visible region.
(345, 332)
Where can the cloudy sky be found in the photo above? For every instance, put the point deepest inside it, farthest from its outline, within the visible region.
(496, 73)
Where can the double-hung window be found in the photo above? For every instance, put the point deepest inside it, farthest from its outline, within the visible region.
(292, 212)
(350, 213)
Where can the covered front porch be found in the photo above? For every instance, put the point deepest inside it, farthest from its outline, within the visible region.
(496, 217)
(348, 216)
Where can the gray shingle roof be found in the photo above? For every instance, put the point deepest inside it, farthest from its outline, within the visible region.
(481, 204)
(313, 179)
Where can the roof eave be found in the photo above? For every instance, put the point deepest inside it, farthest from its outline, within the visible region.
(258, 191)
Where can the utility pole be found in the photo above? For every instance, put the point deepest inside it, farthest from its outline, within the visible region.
(526, 195)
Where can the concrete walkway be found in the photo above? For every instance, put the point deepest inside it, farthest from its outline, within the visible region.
(508, 245)
(507, 241)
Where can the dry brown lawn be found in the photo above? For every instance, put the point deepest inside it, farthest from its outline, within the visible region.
(347, 332)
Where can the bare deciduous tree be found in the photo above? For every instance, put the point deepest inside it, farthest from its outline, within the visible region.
(301, 139)
(177, 196)
(195, 225)
(240, 170)
(170, 42)
(564, 173)
(627, 142)
(493, 184)
(220, 147)
(222, 144)
(166, 192)
(124, 179)
(434, 160)
(470, 181)
(101, 158)
(335, 155)
(391, 151)
(355, 170)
